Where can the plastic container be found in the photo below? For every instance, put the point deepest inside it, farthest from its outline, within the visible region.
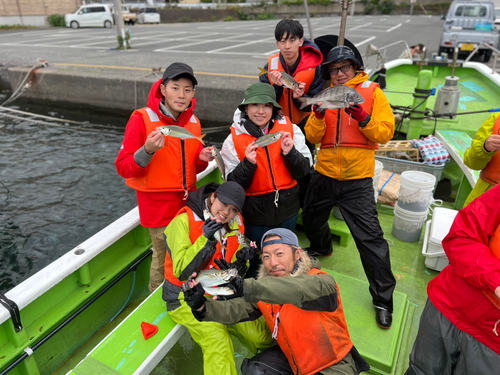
(379, 166)
(415, 192)
(407, 225)
(435, 231)
(399, 166)
(484, 27)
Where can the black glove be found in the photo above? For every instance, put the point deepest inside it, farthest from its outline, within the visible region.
(194, 297)
(210, 228)
(246, 253)
(222, 264)
(236, 285)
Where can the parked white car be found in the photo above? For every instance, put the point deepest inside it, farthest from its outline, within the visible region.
(148, 15)
(496, 24)
(90, 15)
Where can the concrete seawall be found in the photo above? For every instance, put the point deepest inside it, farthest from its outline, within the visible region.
(117, 90)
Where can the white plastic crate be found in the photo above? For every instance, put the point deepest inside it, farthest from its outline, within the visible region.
(435, 231)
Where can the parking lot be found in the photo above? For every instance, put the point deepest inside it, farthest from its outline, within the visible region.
(232, 48)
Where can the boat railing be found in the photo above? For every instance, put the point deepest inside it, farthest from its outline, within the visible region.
(496, 53)
(381, 52)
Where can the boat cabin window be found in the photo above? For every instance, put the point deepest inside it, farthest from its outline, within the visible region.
(471, 11)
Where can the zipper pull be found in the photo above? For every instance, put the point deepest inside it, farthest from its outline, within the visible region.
(350, 117)
(185, 194)
(276, 198)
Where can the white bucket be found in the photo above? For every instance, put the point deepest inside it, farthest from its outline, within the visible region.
(378, 171)
(416, 191)
(407, 225)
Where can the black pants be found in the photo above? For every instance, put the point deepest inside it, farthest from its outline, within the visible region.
(274, 362)
(354, 198)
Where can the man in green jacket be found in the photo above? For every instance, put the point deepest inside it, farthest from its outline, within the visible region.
(301, 305)
(482, 154)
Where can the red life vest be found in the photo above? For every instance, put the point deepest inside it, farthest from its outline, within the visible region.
(173, 168)
(195, 231)
(311, 340)
(307, 76)
(271, 174)
(491, 173)
(347, 133)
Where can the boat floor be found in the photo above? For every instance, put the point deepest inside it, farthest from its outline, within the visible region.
(386, 350)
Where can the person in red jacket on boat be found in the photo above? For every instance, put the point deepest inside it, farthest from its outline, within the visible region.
(163, 169)
(459, 329)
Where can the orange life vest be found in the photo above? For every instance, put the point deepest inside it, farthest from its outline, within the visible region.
(173, 168)
(311, 340)
(271, 174)
(346, 133)
(195, 231)
(491, 173)
(306, 76)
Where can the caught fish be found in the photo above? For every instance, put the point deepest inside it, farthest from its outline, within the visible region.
(220, 163)
(214, 277)
(287, 80)
(243, 240)
(333, 98)
(218, 234)
(266, 140)
(179, 132)
(219, 291)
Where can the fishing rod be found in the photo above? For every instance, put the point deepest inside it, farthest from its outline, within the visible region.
(29, 351)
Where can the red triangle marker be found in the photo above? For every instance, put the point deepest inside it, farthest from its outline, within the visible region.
(148, 330)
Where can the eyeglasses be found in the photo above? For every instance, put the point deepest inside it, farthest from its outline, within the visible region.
(343, 69)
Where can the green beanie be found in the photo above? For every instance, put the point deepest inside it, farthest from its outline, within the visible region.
(259, 93)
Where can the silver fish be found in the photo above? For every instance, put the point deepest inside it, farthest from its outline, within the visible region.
(218, 234)
(220, 163)
(179, 132)
(243, 240)
(214, 277)
(286, 79)
(333, 98)
(219, 291)
(266, 140)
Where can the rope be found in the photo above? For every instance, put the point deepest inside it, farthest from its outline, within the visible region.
(20, 89)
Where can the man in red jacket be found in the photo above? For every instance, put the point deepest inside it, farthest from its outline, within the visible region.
(163, 169)
(459, 329)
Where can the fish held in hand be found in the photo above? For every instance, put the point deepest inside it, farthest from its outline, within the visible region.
(215, 277)
(333, 98)
(243, 240)
(287, 80)
(266, 140)
(219, 291)
(179, 132)
(218, 234)
(220, 163)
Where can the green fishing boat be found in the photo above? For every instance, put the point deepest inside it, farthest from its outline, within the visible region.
(82, 314)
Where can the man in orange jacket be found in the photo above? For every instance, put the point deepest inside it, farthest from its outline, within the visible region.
(344, 171)
(163, 169)
(290, 290)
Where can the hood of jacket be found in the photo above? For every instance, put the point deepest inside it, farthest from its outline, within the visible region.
(311, 55)
(302, 267)
(360, 77)
(154, 99)
(196, 199)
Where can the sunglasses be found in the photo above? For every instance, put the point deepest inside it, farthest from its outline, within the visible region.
(343, 69)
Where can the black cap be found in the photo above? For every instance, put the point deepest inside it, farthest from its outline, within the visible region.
(231, 193)
(338, 54)
(176, 69)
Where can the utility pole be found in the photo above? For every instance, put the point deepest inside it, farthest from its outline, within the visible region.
(411, 7)
(343, 22)
(352, 7)
(120, 25)
(308, 20)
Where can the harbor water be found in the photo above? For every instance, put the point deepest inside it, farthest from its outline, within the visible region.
(58, 185)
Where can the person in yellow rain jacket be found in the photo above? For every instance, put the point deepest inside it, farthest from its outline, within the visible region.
(482, 155)
(344, 171)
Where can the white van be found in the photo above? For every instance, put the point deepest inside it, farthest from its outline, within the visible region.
(90, 15)
(148, 15)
